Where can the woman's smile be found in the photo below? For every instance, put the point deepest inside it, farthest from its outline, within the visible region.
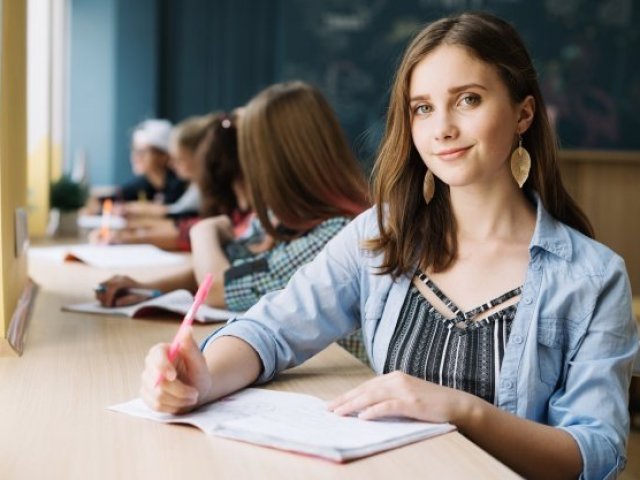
(453, 153)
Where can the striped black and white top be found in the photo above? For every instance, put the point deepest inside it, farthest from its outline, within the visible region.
(460, 352)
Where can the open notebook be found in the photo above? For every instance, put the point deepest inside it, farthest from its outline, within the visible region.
(295, 422)
(111, 256)
(178, 302)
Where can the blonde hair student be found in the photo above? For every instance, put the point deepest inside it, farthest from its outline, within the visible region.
(482, 298)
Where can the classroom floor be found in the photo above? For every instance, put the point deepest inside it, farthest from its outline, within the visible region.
(632, 472)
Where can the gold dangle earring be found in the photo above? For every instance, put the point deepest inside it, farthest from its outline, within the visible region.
(428, 186)
(520, 164)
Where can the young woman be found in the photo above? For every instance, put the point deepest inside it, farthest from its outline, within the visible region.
(305, 185)
(481, 303)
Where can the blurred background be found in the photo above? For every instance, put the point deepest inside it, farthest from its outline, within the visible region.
(96, 68)
(77, 76)
(117, 62)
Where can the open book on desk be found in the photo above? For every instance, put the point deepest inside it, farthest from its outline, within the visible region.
(111, 256)
(178, 302)
(294, 422)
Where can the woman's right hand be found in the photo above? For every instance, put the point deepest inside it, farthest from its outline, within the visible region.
(184, 384)
(112, 292)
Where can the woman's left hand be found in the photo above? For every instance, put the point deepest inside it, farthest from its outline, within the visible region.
(397, 394)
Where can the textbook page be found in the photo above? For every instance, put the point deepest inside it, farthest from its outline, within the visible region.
(111, 256)
(178, 301)
(295, 422)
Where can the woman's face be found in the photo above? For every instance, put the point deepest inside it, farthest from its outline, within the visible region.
(463, 121)
(183, 162)
(146, 160)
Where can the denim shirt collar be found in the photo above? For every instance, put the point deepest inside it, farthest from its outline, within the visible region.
(549, 233)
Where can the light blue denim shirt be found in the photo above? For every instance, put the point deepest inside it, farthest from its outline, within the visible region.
(570, 352)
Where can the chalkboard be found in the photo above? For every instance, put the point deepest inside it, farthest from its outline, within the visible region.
(585, 51)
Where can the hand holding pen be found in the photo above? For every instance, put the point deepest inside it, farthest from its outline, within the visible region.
(122, 290)
(185, 327)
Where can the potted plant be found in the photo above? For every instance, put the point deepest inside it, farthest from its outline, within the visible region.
(66, 197)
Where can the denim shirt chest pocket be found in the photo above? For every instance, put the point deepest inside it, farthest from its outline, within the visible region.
(557, 338)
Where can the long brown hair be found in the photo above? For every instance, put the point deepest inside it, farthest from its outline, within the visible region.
(219, 166)
(413, 233)
(191, 131)
(296, 160)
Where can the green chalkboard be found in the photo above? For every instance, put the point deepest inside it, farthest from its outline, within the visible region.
(585, 51)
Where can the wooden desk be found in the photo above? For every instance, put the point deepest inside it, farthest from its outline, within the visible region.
(54, 425)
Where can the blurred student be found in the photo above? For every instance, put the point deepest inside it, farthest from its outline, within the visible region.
(482, 297)
(224, 190)
(184, 140)
(204, 150)
(155, 181)
(167, 226)
(304, 184)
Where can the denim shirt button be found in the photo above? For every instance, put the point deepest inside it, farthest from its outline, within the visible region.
(527, 300)
(517, 339)
(508, 384)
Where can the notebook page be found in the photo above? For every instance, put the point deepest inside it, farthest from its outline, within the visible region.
(304, 421)
(178, 301)
(293, 421)
(132, 256)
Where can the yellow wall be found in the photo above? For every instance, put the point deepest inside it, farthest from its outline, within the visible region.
(44, 164)
(13, 162)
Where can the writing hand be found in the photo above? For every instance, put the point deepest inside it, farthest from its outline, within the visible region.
(183, 383)
(113, 293)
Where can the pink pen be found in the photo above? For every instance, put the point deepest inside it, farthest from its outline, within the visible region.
(201, 294)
